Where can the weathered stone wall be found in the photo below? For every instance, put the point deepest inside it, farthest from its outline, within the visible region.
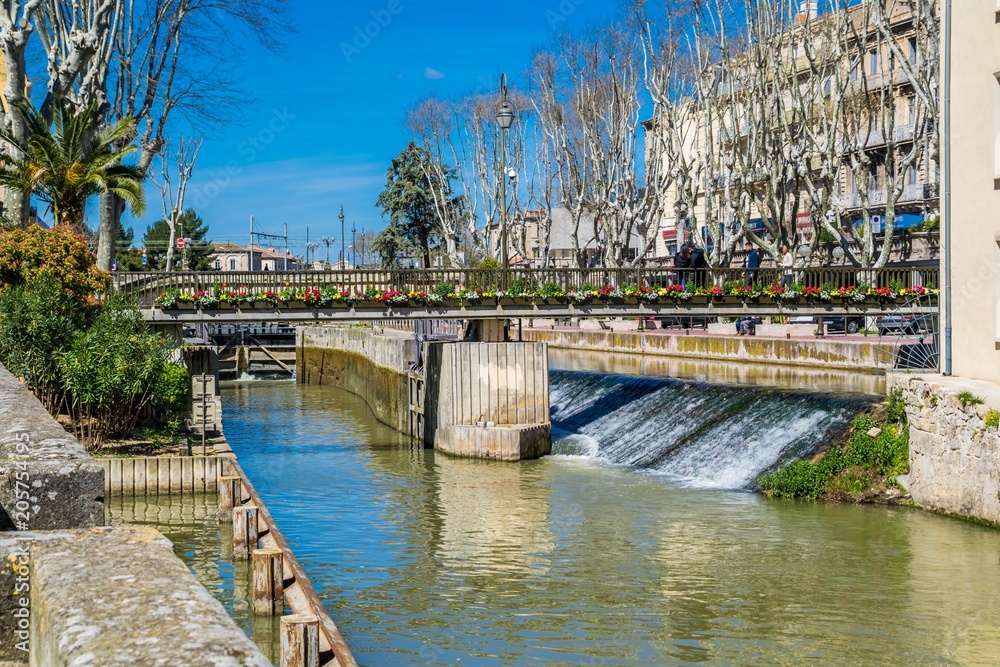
(954, 457)
(111, 597)
(369, 366)
(64, 485)
(823, 353)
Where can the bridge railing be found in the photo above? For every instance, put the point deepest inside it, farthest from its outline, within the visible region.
(147, 286)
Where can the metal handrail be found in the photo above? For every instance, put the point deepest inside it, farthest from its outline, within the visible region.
(145, 287)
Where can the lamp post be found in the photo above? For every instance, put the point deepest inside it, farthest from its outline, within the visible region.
(354, 245)
(343, 239)
(505, 118)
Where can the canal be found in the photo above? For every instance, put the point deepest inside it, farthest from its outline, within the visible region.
(595, 556)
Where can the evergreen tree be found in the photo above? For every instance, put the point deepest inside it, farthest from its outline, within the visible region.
(197, 257)
(408, 201)
(127, 256)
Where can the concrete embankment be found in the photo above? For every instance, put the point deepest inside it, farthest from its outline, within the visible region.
(857, 356)
(954, 444)
(482, 400)
(373, 367)
(94, 595)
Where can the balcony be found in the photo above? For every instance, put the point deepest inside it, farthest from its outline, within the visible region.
(918, 192)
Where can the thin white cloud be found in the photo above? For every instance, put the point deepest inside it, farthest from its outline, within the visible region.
(433, 74)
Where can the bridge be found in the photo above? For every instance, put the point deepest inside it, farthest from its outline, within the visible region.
(485, 294)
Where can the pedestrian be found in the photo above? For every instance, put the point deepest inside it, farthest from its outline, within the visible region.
(698, 265)
(752, 263)
(682, 262)
(787, 267)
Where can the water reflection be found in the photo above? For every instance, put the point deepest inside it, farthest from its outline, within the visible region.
(424, 559)
(717, 372)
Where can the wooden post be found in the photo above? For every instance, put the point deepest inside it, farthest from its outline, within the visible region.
(245, 535)
(268, 582)
(300, 641)
(230, 495)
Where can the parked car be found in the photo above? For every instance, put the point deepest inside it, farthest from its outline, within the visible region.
(850, 325)
(904, 324)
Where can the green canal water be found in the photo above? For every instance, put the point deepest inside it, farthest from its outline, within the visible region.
(581, 560)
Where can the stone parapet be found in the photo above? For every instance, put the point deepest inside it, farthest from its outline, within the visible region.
(954, 455)
(111, 597)
(65, 486)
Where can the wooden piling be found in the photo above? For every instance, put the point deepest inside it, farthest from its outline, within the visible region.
(245, 532)
(268, 582)
(300, 641)
(230, 495)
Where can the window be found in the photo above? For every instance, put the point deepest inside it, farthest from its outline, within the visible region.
(911, 110)
(911, 175)
(873, 62)
(232, 265)
(827, 86)
(218, 265)
(913, 48)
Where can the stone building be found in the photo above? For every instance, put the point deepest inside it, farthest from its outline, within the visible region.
(872, 67)
(232, 257)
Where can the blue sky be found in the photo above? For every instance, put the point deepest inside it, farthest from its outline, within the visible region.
(327, 116)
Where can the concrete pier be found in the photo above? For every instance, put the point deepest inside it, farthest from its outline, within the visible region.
(482, 400)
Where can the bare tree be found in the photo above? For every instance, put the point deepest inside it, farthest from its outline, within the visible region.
(175, 56)
(176, 171)
(16, 27)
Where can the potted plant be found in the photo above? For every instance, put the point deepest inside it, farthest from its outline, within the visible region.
(551, 294)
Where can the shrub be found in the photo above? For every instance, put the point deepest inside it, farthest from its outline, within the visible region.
(111, 372)
(27, 255)
(551, 290)
(992, 419)
(443, 289)
(798, 479)
(487, 275)
(967, 398)
(519, 286)
(895, 408)
(172, 392)
(37, 322)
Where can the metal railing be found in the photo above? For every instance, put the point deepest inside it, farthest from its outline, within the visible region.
(146, 287)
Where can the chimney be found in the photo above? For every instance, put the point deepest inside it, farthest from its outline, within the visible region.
(808, 9)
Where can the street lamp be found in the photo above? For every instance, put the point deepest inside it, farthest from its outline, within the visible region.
(343, 239)
(505, 118)
(354, 245)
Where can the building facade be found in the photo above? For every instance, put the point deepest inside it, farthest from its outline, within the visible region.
(872, 69)
(231, 257)
(974, 148)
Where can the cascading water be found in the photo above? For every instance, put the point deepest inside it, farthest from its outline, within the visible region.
(702, 435)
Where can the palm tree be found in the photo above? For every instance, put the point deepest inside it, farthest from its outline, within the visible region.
(69, 163)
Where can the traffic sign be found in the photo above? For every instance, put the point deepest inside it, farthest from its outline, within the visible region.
(180, 244)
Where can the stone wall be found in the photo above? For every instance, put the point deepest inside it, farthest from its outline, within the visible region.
(954, 456)
(373, 367)
(820, 353)
(65, 486)
(113, 597)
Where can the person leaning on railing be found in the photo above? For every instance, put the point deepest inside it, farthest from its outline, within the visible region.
(787, 267)
(752, 263)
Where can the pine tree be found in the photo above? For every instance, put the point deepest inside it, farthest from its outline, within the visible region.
(197, 257)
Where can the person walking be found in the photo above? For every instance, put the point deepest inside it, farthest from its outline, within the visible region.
(752, 263)
(682, 262)
(698, 264)
(787, 267)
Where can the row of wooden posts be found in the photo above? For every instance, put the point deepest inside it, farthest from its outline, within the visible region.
(300, 633)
